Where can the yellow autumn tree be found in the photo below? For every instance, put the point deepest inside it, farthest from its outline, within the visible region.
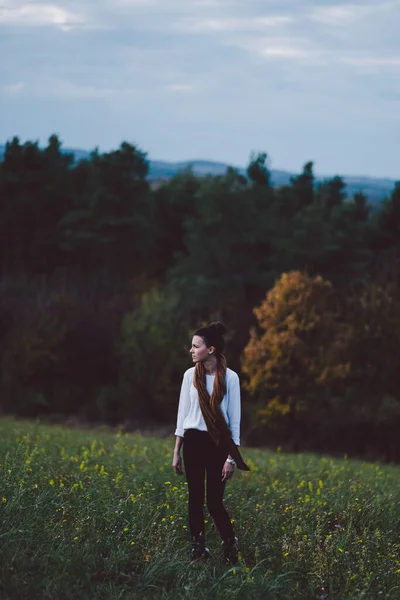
(295, 361)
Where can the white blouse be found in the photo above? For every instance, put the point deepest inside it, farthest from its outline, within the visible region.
(189, 411)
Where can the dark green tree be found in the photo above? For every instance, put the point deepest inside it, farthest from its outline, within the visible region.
(174, 203)
(330, 194)
(34, 195)
(303, 186)
(257, 170)
(111, 224)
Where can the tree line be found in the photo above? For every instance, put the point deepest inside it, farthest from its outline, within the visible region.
(104, 277)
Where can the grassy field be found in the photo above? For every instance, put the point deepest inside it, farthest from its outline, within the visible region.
(102, 515)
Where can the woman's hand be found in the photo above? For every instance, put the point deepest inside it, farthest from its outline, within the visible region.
(177, 463)
(227, 471)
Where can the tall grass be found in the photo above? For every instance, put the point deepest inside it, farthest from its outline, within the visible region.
(101, 515)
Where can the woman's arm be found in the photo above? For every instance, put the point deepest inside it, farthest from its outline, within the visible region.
(234, 408)
(233, 413)
(184, 405)
(177, 461)
(183, 409)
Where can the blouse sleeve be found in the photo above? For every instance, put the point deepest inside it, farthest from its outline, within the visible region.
(234, 409)
(184, 405)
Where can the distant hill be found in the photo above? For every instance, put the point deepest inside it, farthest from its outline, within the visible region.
(375, 188)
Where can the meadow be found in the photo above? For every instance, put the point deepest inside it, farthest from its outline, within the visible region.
(101, 515)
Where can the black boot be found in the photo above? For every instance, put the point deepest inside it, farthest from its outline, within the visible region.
(199, 550)
(230, 548)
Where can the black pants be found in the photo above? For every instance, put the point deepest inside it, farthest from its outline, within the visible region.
(202, 457)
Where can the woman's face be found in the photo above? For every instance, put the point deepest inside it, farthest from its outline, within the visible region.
(199, 350)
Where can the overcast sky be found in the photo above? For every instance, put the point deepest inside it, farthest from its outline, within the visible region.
(211, 79)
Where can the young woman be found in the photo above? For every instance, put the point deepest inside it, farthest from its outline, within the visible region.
(208, 428)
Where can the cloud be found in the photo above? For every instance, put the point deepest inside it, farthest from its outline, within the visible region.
(337, 15)
(232, 24)
(133, 2)
(346, 14)
(184, 88)
(59, 88)
(372, 61)
(280, 47)
(13, 89)
(38, 14)
(283, 52)
(174, 5)
(70, 90)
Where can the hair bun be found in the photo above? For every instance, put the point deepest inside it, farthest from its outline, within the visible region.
(220, 327)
